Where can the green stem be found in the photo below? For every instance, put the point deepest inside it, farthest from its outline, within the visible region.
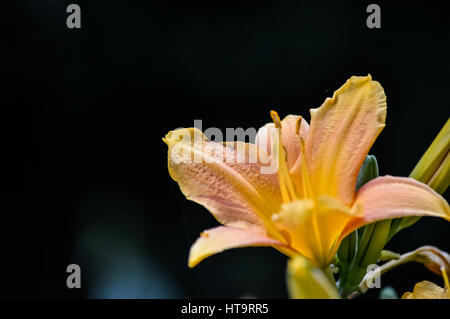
(329, 272)
(377, 242)
(365, 238)
(343, 250)
(405, 258)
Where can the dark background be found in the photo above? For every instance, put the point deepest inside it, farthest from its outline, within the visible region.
(86, 179)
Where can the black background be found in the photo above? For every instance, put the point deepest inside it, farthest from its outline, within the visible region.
(86, 178)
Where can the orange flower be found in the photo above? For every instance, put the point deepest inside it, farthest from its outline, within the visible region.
(309, 204)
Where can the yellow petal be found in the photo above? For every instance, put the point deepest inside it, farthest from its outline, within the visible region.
(216, 240)
(314, 228)
(391, 197)
(306, 281)
(427, 290)
(224, 178)
(341, 133)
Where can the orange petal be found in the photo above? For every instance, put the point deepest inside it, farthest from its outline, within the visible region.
(292, 128)
(391, 197)
(427, 290)
(216, 240)
(341, 133)
(225, 178)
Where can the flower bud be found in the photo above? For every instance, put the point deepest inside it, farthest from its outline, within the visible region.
(306, 281)
(432, 169)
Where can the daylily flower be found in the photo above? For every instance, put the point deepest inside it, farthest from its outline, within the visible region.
(309, 204)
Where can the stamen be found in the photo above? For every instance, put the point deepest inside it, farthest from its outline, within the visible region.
(306, 183)
(288, 192)
(275, 118)
(298, 125)
(444, 275)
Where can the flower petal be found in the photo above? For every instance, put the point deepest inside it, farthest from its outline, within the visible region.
(341, 133)
(225, 178)
(292, 128)
(427, 290)
(391, 197)
(436, 260)
(313, 228)
(216, 240)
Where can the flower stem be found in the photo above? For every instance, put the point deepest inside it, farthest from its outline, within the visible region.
(329, 272)
(405, 258)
